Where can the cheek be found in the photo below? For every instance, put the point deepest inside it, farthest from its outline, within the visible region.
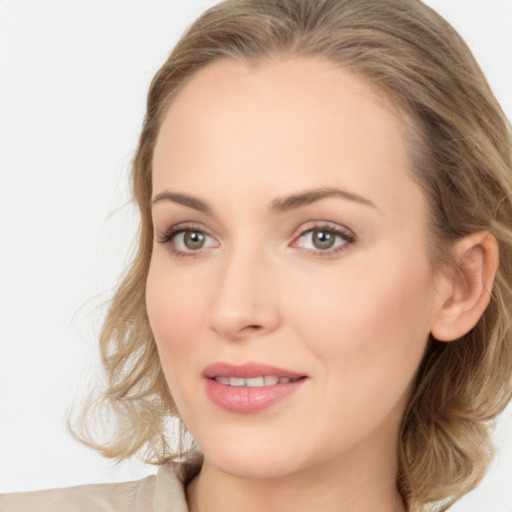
(368, 332)
(174, 310)
(367, 321)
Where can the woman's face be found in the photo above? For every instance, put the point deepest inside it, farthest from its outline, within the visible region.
(289, 291)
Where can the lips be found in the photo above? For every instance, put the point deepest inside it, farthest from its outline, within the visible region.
(249, 388)
(253, 382)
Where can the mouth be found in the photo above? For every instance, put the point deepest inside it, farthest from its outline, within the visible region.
(254, 382)
(249, 388)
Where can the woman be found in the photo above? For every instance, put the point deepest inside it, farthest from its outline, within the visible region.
(325, 203)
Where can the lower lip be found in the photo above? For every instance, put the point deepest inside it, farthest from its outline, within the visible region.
(248, 400)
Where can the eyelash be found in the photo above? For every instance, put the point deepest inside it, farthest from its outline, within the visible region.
(348, 237)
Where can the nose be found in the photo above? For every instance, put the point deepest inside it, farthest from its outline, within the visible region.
(244, 300)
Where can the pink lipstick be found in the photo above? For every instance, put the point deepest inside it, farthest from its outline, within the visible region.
(249, 388)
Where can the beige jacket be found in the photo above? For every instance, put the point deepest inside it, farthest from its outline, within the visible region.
(163, 492)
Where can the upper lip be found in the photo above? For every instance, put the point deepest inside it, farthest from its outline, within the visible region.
(247, 371)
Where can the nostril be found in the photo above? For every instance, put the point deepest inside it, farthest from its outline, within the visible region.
(253, 328)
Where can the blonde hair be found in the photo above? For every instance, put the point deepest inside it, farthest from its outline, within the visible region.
(461, 151)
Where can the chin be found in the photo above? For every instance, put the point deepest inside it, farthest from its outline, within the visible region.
(252, 458)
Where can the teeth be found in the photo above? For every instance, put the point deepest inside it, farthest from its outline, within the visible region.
(253, 382)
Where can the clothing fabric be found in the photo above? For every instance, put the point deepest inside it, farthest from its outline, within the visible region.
(163, 492)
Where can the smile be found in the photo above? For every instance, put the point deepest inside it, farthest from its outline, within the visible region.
(254, 382)
(250, 388)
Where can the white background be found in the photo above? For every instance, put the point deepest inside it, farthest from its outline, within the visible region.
(73, 79)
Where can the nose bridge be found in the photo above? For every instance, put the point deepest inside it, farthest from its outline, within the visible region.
(243, 300)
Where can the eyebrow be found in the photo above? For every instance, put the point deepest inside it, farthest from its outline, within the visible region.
(183, 199)
(279, 205)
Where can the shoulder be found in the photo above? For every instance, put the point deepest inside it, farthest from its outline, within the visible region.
(163, 492)
(93, 498)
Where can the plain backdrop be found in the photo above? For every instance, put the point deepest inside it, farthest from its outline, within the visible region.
(73, 79)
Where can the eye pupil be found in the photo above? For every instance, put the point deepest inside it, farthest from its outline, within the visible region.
(193, 240)
(323, 239)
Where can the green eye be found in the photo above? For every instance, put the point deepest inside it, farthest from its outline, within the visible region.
(185, 241)
(192, 240)
(323, 239)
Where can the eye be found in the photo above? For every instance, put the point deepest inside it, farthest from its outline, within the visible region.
(325, 240)
(191, 240)
(186, 241)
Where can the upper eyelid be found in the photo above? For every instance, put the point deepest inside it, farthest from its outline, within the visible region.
(323, 224)
(303, 228)
(189, 226)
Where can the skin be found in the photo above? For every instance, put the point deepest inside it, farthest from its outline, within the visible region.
(356, 322)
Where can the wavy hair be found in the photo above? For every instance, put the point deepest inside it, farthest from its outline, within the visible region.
(460, 143)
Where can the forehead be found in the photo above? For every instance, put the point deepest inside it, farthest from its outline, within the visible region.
(285, 124)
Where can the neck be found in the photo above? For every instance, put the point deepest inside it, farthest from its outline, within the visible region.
(353, 484)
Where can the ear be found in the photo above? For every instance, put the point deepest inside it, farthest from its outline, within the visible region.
(465, 291)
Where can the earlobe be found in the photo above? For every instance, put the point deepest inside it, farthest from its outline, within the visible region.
(466, 290)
